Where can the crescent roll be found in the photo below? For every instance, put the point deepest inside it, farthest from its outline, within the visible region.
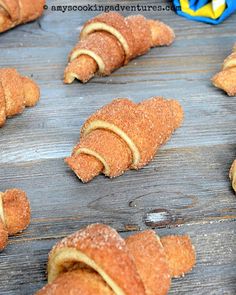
(96, 260)
(109, 41)
(124, 135)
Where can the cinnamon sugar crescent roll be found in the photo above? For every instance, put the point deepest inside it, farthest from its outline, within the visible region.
(96, 260)
(15, 12)
(100, 248)
(226, 78)
(124, 135)
(14, 214)
(110, 41)
(16, 93)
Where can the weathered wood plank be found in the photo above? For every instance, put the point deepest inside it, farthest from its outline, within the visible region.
(191, 185)
(52, 128)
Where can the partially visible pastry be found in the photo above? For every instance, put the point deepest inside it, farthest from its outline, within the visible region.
(96, 260)
(232, 175)
(151, 262)
(16, 93)
(14, 214)
(16, 12)
(180, 254)
(160, 259)
(226, 78)
(101, 249)
(77, 282)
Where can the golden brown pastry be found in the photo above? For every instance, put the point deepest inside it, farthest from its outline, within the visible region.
(14, 214)
(15, 12)
(124, 135)
(16, 93)
(101, 249)
(151, 262)
(226, 78)
(77, 282)
(110, 41)
(96, 260)
(180, 254)
(232, 175)
(158, 260)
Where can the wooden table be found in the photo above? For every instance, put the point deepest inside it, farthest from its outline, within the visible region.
(187, 183)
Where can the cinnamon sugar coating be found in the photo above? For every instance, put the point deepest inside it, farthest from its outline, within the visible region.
(86, 167)
(162, 35)
(12, 8)
(105, 47)
(14, 214)
(226, 78)
(95, 142)
(114, 22)
(31, 92)
(15, 12)
(180, 254)
(133, 122)
(123, 135)
(3, 236)
(2, 106)
(13, 91)
(78, 282)
(16, 93)
(96, 260)
(150, 260)
(82, 68)
(17, 210)
(141, 33)
(101, 248)
(135, 35)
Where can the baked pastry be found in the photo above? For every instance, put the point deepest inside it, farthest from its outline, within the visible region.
(226, 78)
(124, 135)
(16, 93)
(14, 214)
(100, 248)
(77, 282)
(232, 175)
(179, 253)
(151, 262)
(96, 260)
(16, 12)
(160, 259)
(110, 41)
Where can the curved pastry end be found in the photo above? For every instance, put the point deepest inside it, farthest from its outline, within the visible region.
(162, 35)
(31, 92)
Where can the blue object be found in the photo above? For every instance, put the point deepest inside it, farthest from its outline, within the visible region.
(208, 11)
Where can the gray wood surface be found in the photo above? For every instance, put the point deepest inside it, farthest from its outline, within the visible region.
(184, 190)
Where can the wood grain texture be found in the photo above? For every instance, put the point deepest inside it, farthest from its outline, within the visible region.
(184, 190)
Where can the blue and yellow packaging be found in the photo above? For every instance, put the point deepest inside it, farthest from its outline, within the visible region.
(208, 11)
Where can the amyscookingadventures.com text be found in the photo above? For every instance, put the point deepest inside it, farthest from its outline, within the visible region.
(108, 8)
